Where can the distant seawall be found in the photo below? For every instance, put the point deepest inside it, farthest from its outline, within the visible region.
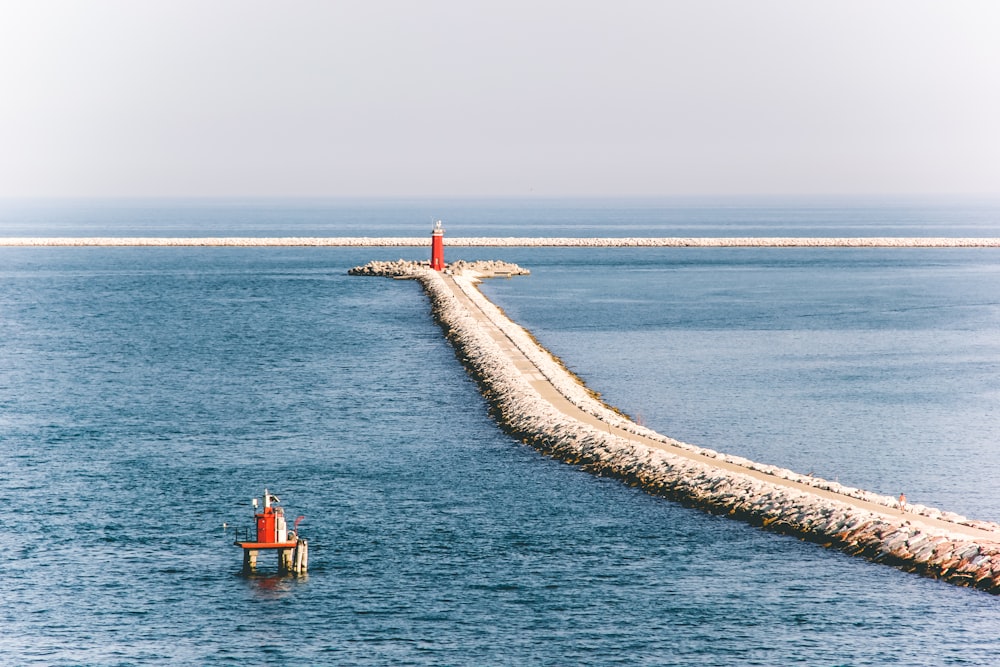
(535, 399)
(509, 242)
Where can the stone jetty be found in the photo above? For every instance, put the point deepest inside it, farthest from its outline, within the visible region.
(537, 400)
(508, 242)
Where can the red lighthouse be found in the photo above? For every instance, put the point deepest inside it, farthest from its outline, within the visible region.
(437, 247)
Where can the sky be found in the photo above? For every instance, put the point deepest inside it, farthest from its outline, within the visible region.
(406, 98)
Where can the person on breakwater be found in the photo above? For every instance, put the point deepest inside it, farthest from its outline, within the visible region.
(902, 502)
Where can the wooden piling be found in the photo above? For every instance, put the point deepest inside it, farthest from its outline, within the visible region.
(301, 557)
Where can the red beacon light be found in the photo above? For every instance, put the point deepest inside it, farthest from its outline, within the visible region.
(272, 534)
(437, 247)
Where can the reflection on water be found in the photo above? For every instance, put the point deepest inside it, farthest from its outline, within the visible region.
(273, 586)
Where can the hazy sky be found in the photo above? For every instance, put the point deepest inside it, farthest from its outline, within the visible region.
(469, 97)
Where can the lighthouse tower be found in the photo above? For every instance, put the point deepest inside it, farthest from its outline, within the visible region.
(437, 247)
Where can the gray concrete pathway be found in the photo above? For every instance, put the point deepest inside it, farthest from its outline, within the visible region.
(551, 394)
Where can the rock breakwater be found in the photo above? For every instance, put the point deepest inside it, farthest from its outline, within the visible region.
(405, 268)
(511, 242)
(534, 398)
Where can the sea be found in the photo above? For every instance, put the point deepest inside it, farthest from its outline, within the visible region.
(148, 394)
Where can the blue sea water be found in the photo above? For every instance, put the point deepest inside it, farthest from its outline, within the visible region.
(146, 394)
(635, 217)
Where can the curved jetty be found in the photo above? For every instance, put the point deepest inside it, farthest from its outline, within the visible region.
(537, 400)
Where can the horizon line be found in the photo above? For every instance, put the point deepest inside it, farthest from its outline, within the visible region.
(508, 242)
(509, 196)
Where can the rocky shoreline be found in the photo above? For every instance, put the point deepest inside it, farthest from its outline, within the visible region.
(921, 539)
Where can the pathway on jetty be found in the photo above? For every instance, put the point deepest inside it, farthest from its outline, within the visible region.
(537, 380)
(538, 401)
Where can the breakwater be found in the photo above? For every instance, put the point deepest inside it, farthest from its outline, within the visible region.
(534, 398)
(511, 242)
